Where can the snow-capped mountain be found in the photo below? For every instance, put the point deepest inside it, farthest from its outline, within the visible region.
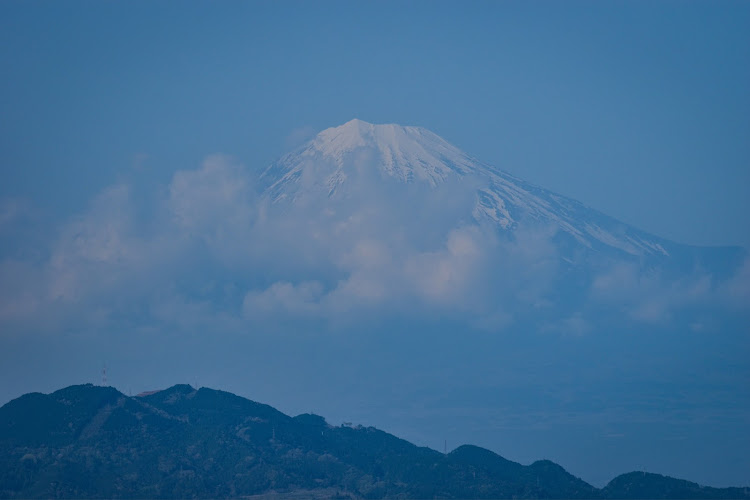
(337, 158)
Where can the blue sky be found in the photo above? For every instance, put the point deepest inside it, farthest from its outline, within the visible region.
(639, 109)
(131, 233)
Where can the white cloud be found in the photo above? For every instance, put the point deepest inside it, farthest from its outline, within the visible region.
(213, 250)
(95, 247)
(285, 298)
(575, 325)
(647, 296)
(214, 200)
(444, 276)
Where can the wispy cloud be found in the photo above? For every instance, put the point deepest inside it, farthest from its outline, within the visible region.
(649, 296)
(298, 136)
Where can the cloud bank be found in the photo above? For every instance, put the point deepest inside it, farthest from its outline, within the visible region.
(212, 250)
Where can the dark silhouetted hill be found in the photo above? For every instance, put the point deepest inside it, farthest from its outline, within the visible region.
(94, 442)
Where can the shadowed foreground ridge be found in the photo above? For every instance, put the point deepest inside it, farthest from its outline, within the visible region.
(87, 441)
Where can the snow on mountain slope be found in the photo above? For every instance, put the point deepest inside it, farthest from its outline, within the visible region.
(338, 158)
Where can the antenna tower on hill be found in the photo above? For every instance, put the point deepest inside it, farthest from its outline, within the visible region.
(104, 376)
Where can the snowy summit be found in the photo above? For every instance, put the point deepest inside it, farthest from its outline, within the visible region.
(406, 153)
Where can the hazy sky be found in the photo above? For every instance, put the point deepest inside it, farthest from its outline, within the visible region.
(640, 109)
(131, 231)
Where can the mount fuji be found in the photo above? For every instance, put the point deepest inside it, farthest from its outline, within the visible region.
(341, 162)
